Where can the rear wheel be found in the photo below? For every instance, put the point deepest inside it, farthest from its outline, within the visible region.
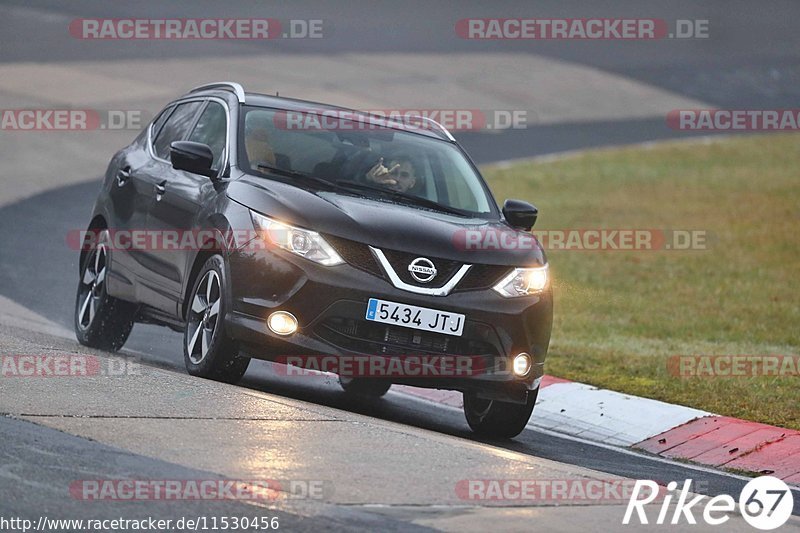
(207, 349)
(365, 387)
(493, 418)
(101, 321)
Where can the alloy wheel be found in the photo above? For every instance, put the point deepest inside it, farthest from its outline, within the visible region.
(92, 286)
(203, 317)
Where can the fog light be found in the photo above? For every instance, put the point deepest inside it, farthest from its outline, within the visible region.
(282, 323)
(522, 364)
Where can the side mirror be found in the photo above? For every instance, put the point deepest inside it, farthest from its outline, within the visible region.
(519, 214)
(192, 157)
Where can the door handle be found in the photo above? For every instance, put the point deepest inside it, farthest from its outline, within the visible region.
(161, 190)
(123, 175)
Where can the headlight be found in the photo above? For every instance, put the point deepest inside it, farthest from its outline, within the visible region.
(523, 281)
(308, 244)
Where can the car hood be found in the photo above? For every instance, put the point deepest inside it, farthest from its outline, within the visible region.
(389, 225)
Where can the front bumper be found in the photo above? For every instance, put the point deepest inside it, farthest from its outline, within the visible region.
(330, 305)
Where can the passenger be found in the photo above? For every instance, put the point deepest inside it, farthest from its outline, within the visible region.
(259, 150)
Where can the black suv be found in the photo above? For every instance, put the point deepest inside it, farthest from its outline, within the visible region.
(279, 229)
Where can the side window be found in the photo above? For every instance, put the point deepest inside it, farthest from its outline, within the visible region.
(211, 129)
(159, 122)
(176, 128)
(458, 190)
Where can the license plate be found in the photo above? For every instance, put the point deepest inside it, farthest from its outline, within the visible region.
(411, 316)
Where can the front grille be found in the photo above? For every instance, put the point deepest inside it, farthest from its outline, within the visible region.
(445, 268)
(356, 254)
(382, 339)
(482, 277)
(359, 255)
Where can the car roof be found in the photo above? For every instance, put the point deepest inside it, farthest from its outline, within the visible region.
(436, 130)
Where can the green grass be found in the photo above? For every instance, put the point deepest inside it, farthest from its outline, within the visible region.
(620, 315)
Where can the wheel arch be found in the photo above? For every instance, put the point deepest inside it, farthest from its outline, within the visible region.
(208, 247)
(97, 223)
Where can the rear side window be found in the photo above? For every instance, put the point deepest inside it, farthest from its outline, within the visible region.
(176, 128)
(212, 130)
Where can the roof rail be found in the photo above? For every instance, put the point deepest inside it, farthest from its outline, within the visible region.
(402, 121)
(224, 85)
(442, 128)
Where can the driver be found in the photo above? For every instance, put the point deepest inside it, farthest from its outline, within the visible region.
(399, 175)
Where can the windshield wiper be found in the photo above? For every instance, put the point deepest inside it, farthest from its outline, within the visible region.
(397, 195)
(299, 175)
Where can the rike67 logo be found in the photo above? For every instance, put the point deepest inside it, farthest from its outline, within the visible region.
(766, 503)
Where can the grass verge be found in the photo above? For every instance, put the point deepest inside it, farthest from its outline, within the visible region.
(620, 315)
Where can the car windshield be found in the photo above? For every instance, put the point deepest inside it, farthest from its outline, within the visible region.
(364, 159)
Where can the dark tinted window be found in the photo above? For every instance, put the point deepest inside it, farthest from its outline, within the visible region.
(162, 118)
(176, 128)
(211, 130)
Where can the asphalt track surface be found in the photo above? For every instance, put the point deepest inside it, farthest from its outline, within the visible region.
(162, 347)
(753, 62)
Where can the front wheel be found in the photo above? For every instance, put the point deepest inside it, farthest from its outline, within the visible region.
(496, 419)
(101, 321)
(208, 351)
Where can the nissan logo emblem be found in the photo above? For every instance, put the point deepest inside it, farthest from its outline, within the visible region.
(422, 269)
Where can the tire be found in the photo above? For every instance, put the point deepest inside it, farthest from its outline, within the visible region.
(207, 350)
(101, 321)
(374, 388)
(496, 419)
